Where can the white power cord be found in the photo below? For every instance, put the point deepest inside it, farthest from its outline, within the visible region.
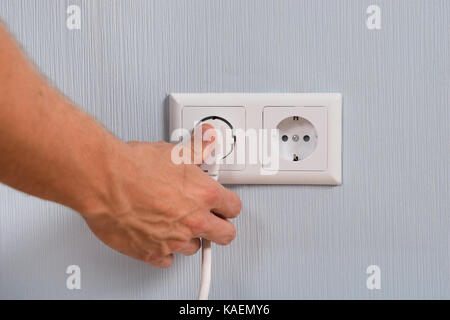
(205, 281)
(225, 138)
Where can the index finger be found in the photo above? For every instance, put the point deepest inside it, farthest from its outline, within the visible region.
(225, 202)
(218, 230)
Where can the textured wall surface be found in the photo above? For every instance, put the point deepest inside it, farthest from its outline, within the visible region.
(293, 241)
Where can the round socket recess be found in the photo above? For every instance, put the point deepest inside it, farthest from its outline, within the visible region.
(224, 132)
(298, 138)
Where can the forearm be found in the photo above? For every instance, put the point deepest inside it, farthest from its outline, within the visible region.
(48, 148)
(132, 196)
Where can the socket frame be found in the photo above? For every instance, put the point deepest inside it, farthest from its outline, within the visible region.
(254, 104)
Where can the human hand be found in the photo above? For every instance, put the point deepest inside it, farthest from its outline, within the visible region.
(154, 208)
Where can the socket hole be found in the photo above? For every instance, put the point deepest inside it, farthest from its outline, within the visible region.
(298, 138)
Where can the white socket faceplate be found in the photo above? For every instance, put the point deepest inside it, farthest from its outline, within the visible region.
(259, 111)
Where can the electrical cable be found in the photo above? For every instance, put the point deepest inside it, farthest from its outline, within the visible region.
(224, 144)
(205, 281)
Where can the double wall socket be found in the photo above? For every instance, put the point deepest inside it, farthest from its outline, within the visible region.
(279, 138)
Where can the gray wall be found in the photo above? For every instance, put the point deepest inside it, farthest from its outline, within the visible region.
(293, 241)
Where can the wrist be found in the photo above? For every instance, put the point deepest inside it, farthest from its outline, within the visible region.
(99, 195)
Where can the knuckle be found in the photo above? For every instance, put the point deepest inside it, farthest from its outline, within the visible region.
(211, 195)
(201, 225)
(176, 245)
(166, 262)
(192, 250)
(162, 250)
(166, 250)
(158, 260)
(198, 224)
(150, 257)
(170, 213)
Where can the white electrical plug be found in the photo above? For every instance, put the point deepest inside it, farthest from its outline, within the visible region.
(225, 139)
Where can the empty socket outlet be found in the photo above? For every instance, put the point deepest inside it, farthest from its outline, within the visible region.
(298, 138)
(303, 137)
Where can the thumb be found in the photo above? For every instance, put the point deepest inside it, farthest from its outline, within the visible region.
(202, 143)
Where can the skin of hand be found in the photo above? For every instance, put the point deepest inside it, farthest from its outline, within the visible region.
(132, 196)
(158, 208)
